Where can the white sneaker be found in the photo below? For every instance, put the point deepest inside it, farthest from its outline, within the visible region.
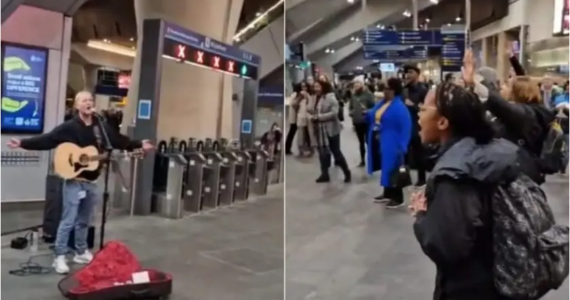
(84, 258)
(60, 265)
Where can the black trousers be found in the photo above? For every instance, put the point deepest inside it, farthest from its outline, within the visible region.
(290, 136)
(396, 194)
(361, 133)
(417, 155)
(334, 151)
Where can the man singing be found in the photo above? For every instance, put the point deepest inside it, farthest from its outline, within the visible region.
(79, 194)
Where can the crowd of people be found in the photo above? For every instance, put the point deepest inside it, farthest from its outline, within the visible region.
(488, 143)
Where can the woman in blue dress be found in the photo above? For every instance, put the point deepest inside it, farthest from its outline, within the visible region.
(388, 140)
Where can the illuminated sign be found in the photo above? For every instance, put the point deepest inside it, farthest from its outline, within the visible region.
(209, 60)
(186, 46)
(24, 83)
(561, 17)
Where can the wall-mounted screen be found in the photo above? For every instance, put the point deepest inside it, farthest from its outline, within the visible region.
(561, 17)
(24, 75)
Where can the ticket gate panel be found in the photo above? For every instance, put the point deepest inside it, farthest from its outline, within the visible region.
(228, 180)
(258, 182)
(170, 203)
(242, 176)
(193, 192)
(211, 191)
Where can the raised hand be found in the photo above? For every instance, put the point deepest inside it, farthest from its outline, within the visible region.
(14, 143)
(468, 70)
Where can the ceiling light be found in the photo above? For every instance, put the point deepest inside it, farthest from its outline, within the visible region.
(132, 39)
(407, 13)
(357, 39)
(448, 24)
(332, 51)
(434, 1)
(352, 38)
(257, 14)
(458, 19)
(327, 50)
(427, 20)
(350, 1)
(251, 25)
(106, 41)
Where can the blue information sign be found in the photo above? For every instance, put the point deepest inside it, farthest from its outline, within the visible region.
(414, 53)
(246, 126)
(23, 88)
(144, 110)
(402, 38)
(452, 51)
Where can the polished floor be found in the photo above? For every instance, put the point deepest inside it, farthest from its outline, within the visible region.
(342, 246)
(233, 253)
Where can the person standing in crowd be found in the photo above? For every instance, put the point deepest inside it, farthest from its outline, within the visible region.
(562, 104)
(414, 93)
(521, 118)
(323, 112)
(548, 92)
(294, 105)
(80, 194)
(452, 217)
(391, 123)
(305, 138)
(362, 100)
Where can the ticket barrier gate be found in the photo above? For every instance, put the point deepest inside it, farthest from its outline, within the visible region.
(216, 170)
(194, 181)
(228, 182)
(169, 203)
(258, 171)
(243, 165)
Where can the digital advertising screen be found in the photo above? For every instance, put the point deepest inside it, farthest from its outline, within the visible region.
(24, 75)
(561, 17)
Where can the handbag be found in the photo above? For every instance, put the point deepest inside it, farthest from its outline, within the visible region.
(401, 177)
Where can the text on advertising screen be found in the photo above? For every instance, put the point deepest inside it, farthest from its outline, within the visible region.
(23, 89)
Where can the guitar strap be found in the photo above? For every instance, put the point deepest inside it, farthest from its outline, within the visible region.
(97, 132)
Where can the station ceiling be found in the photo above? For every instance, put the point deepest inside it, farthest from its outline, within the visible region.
(432, 16)
(115, 20)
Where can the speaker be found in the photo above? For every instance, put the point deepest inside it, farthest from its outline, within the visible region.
(52, 214)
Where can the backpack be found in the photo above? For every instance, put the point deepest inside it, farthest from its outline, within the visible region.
(530, 249)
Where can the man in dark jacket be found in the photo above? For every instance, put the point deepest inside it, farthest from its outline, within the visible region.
(362, 100)
(415, 92)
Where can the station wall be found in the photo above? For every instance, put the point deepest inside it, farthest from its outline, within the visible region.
(515, 18)
(51, 30)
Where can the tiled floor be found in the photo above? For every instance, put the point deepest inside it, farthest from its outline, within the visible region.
(342, 246)
(233, 253)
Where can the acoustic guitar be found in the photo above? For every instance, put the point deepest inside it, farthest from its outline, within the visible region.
(70, 160)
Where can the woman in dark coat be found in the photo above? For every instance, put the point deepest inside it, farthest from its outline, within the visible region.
(392, 124)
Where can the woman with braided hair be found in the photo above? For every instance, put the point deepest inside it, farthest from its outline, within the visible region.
(452, 217)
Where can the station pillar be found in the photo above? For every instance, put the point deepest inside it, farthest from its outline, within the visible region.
(193, 99)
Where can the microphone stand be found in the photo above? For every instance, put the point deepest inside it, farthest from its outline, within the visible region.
(109, 151)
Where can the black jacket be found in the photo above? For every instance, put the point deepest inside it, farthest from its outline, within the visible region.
(523, 124)
(75, 131)
(455, 232)
(416, 92)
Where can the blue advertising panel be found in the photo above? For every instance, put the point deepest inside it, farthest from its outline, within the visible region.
(23, 88)
(452, 51)
(270, 95)
(183, 44)
(402, 38)
(414, 53)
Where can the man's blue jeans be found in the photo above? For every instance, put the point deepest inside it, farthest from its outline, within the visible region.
(79, 200)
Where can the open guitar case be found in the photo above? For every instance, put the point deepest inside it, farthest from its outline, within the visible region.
(110, 276)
